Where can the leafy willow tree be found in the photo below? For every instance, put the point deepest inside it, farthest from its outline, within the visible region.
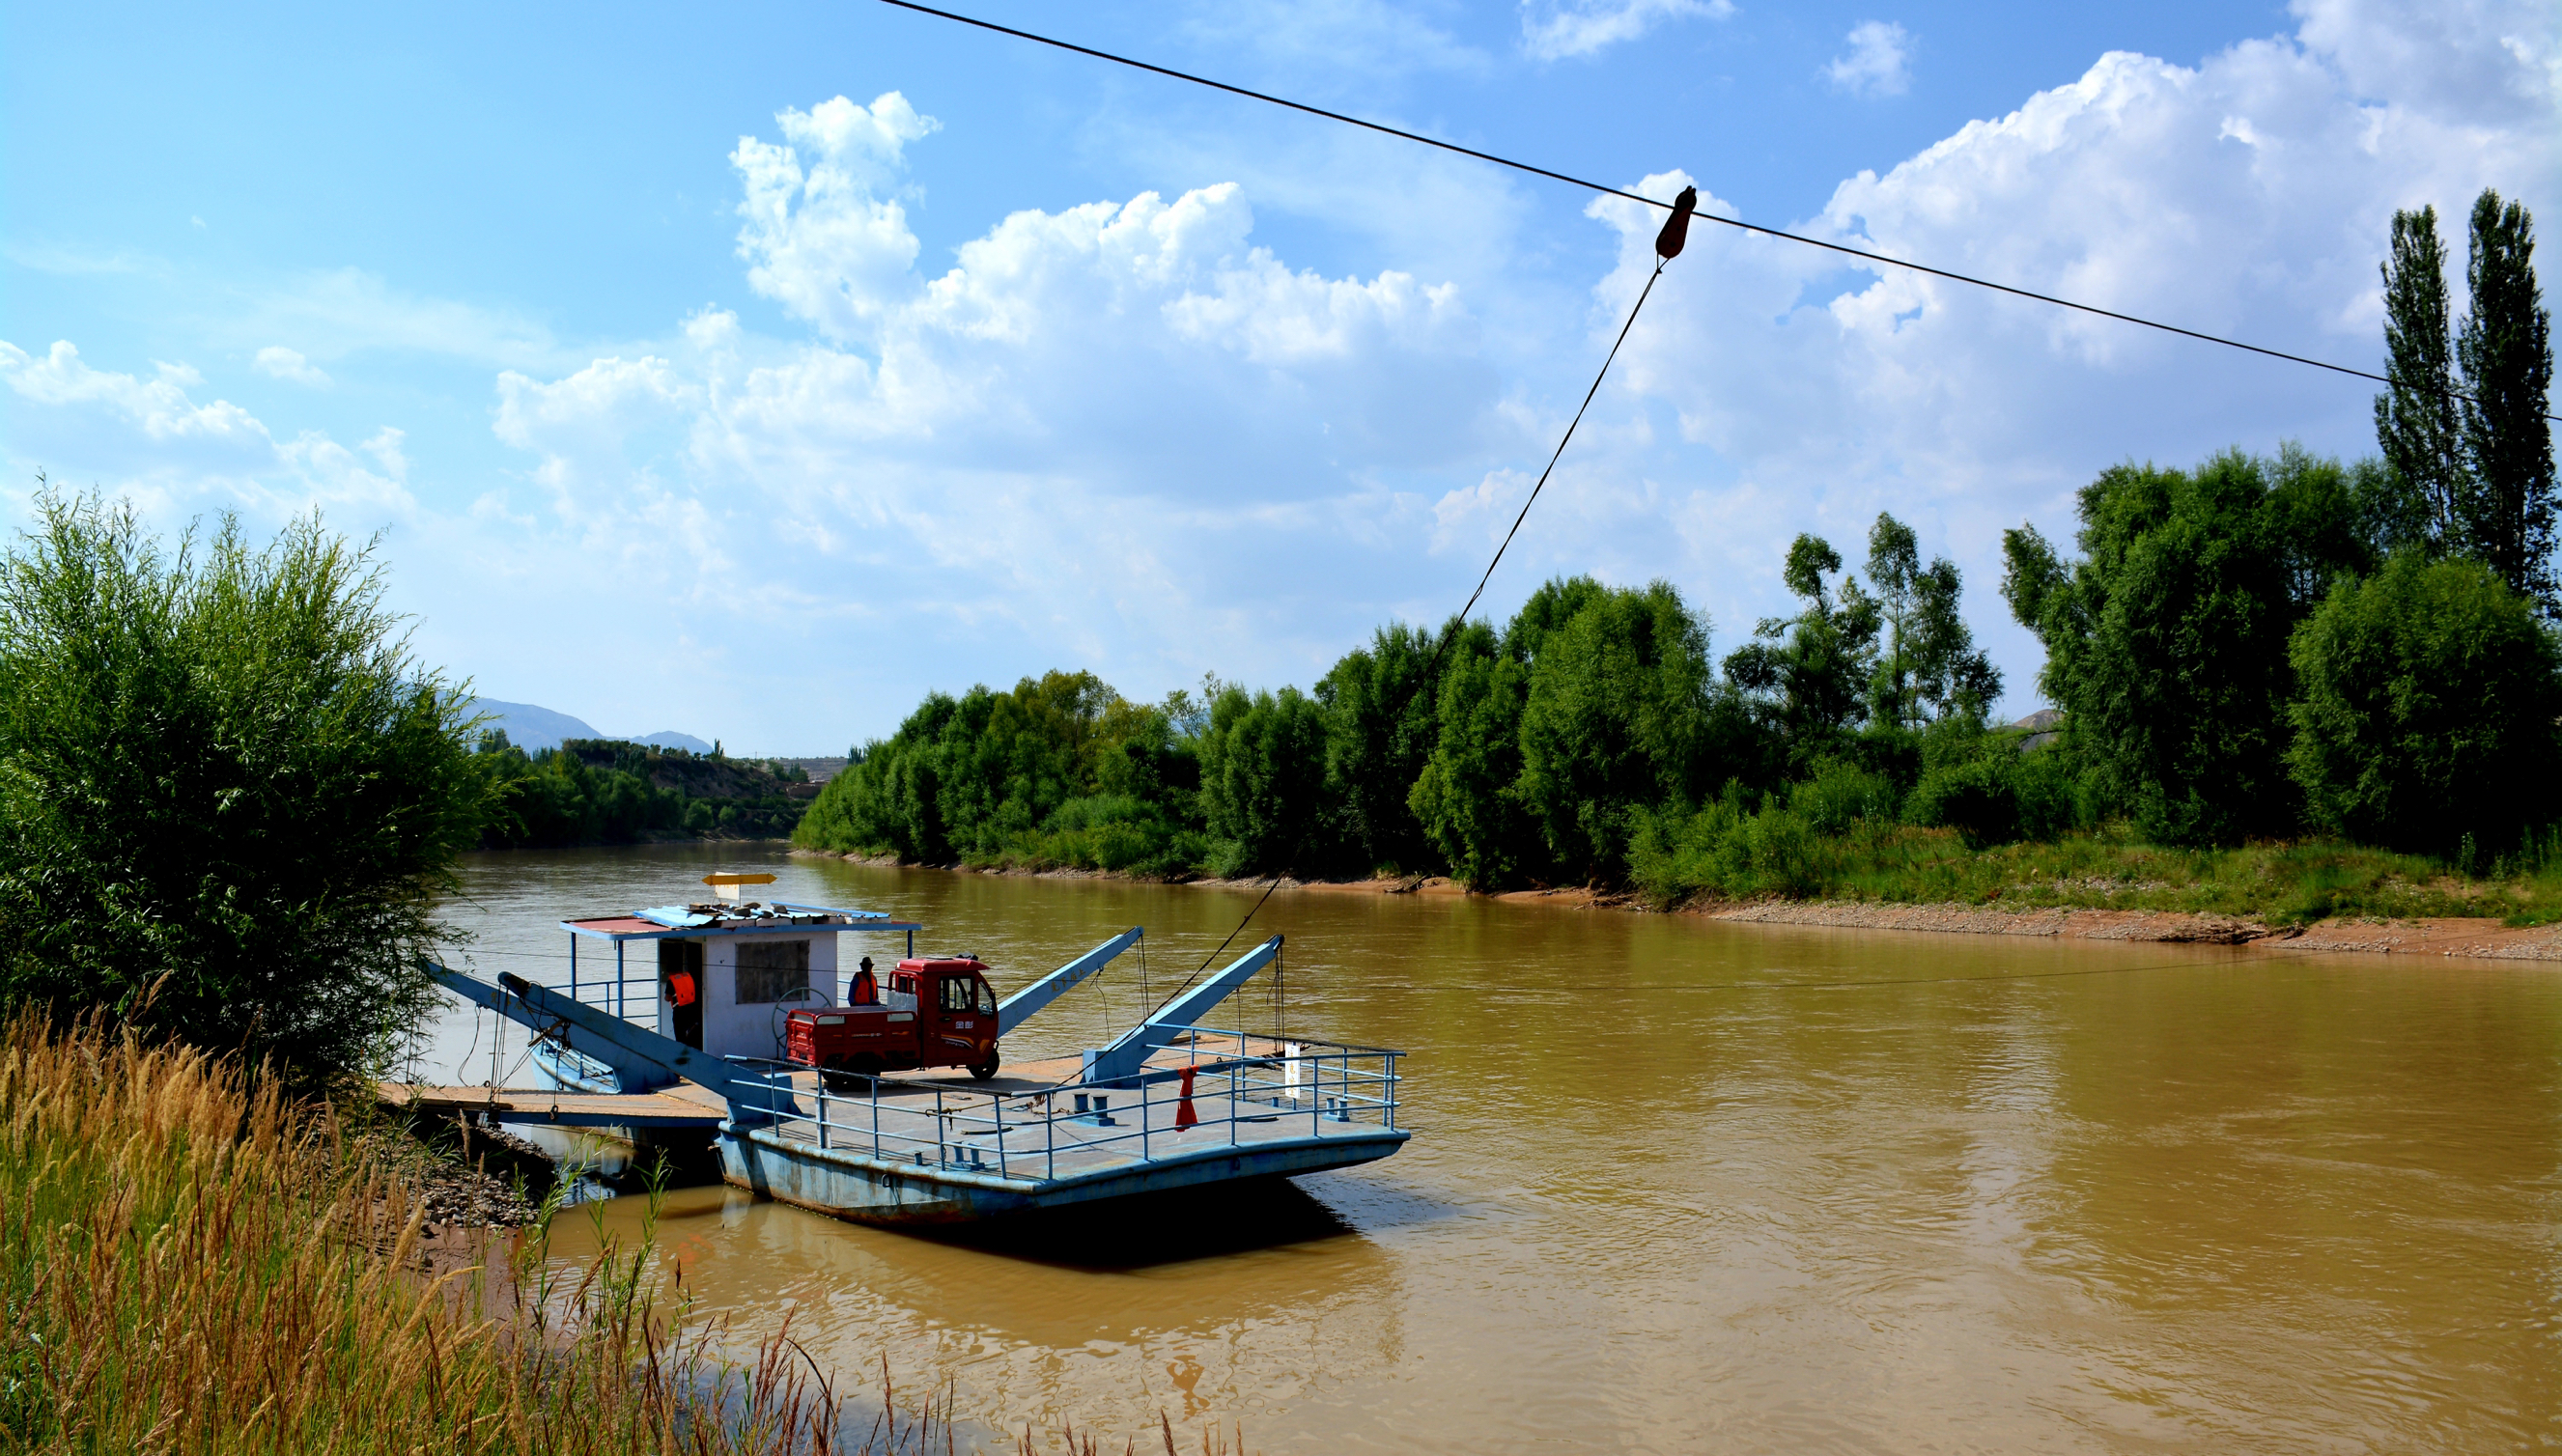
(1928, 667)
(230, 798)
(2427, 709)
(1617, 719)
(1383, 720)
(2416, 424)
(1467, 797)
(2167, 642)
(1809, 675)
(2505, 350)
(1263, 783)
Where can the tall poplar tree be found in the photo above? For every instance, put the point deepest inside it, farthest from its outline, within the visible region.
(2416, 417)
(2505, 350)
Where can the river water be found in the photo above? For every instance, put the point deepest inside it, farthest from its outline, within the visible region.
(1679, 1185)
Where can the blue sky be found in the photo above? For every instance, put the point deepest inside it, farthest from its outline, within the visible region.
(751, 373)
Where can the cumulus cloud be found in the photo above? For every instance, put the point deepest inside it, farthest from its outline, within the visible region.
(159, 444)
(1878, 62)
(1098, 419)
(1131, 435)
(821, 241)
(288, 364)
(158, 406)
(1553, 30)
(2247, 196)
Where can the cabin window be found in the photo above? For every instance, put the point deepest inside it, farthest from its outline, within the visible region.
(986, 998)
(770, 970)
(956, 994)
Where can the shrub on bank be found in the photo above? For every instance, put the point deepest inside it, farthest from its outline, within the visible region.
(230, 796)
(2426, 718)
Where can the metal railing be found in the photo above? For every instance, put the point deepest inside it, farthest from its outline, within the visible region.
(620, 993)
(1022, 1135)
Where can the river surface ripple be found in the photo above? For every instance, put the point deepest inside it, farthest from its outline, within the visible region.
(1682, 1185)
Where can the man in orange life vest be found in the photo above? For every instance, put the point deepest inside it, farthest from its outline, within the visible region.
(684, 996)
(865, 991)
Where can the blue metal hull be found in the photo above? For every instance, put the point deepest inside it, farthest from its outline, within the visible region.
(865, 1189)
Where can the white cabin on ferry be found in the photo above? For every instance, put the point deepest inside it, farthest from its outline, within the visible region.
(721, 975)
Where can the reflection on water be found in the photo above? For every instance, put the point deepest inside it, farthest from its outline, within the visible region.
(1681, 1185)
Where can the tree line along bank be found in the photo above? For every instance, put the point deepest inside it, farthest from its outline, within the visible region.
(232, 800)
(2255, 647)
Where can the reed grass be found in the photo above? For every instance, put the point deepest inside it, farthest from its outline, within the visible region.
(192, 1262)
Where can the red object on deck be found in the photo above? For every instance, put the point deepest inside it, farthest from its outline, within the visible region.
(935, 1012)
(1184, 1116)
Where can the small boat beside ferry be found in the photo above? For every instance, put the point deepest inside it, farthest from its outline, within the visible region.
(879, 1093)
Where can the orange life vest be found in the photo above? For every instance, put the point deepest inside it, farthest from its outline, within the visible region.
(680, 988)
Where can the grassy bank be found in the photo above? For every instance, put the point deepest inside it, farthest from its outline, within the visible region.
(1769, 854)
(190, 1262)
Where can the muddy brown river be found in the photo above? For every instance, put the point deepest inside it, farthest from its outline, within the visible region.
(1681, 1185)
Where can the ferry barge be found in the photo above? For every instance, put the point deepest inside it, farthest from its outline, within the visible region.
(884, 1098)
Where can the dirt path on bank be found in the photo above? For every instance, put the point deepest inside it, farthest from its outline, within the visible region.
(2479, 938)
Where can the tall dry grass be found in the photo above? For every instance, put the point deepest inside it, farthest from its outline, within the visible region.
(193, 1263)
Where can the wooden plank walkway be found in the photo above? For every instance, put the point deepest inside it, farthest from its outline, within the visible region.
(671, 1107)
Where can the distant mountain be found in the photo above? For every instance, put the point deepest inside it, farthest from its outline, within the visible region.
(529, 727)
(534, 728)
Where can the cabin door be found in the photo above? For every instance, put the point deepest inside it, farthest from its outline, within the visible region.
(681, 982)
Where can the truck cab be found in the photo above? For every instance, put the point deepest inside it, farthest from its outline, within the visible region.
(933, 1012)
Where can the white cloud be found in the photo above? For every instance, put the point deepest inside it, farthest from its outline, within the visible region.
(1553, 30)
(342, 312)
(151, 440)
(2247, 196)
(1125, 436)
(1878, 62)
(820, 242)
(158, 406)
(288, 364)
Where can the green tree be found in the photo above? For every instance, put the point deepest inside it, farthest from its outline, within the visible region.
(1810, 674)
(2428, 707)
(1928, 666)
(1616, 720)
(1263, 783)
(2416, 417)
(1382, 723)
(230, 796)
(2166, 643)
(1467, 797)
(2506, 353)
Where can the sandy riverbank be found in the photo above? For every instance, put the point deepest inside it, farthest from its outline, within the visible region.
(2479, 938)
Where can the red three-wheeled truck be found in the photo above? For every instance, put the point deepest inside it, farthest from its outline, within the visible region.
(933, 1014)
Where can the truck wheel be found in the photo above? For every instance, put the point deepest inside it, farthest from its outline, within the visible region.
(833, 1073)
(982, 1071)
